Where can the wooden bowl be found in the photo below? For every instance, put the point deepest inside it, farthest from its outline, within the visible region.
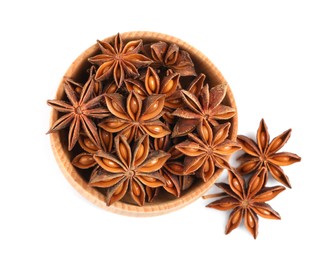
(163, 204)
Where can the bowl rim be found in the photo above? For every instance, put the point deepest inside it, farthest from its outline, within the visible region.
(151, 209)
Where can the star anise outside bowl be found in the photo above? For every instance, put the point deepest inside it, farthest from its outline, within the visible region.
(78, 178)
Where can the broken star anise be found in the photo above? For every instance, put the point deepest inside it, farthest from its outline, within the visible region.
(79, 112)
(246, 202)
(170, 57)
(134, 117)
(132, 168)
(264, 154)
(207, 106)
(119, 61)
(208, 150)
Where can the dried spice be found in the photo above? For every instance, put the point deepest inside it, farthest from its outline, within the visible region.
(153, 84)
(78, 112)
(206, 151)
(119, 61)
(207, 106)
(133, 117)
(246, 202)
(265, 154)
(136, 110)
(132, 169)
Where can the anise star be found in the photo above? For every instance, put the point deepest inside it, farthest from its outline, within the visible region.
(246, 202)
(264, 154)
(153, 84)
(208, 106)
(208, 150)
(119, 61)
(130, 169)
(78, 112)
(134, 117)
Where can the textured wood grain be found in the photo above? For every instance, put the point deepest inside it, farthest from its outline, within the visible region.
(149, 209)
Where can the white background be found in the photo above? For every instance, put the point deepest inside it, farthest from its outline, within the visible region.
(276, 56)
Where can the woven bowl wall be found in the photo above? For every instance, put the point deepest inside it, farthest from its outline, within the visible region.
(166, 203)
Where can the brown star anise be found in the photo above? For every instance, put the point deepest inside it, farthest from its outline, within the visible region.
(171, 57)
(264, 154)
(208, 106)
(153, 84)
(78, 112)
(131, 169)
(207, 150)
(119, 61)
(246, 202)
(85, 159)
(134, 117)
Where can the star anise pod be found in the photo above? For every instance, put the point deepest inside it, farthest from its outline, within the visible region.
(264, 154)
(134, 117)
(246, 202)
(207, 150)
(153, 84)
(208, 106)
(119, 61)
(78, 112)
(85, 159)
(171, 57)
(131, 169)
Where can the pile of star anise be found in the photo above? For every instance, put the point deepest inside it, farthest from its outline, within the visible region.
(145, 120)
